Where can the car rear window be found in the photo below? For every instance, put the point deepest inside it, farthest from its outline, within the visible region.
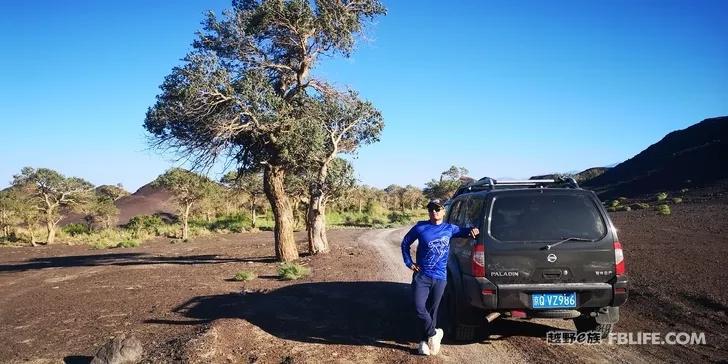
(545, 217)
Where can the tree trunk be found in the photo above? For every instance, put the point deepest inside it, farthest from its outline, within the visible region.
(285, 244)
(252, 211)
(185, 221)
(316, 224)
(51, 227)
(32, 236)
(316, 221)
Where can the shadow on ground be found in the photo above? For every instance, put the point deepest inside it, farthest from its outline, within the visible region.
(124, 259)
(352, 313)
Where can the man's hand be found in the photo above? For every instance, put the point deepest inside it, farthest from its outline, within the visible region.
(474, 232)
(415, 267)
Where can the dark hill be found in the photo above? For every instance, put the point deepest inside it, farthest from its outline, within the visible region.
(147, 200)
(689, 158)
(580, 177)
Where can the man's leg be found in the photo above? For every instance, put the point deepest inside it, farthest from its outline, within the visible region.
(438, 288)
(422, 285)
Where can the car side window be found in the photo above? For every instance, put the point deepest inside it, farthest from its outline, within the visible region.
(462, 216)
(452, 217)
(473, 213)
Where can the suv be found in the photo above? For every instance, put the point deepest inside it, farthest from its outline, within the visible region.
(547, 249)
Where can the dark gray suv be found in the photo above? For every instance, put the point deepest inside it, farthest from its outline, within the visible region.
(547, 249)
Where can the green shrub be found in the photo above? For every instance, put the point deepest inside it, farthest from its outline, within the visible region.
(677, 200)
(663, 209)
(236, 223)
(622, 199)
(639, 206)
(292, 271)
(75, 229)
(145, 223)
(611, 209)
(128, 243)
(623, 208)
(244, 276)
(614, 203)
(661, 196)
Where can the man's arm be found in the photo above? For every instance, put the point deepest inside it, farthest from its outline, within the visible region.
(459, 232)
(407, 241)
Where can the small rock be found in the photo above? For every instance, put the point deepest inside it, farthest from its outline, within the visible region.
(120, 350)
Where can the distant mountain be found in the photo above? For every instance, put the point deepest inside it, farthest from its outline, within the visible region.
(147, 200)
(693, 157)
(580, 177)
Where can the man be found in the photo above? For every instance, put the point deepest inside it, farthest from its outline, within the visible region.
(430, 270)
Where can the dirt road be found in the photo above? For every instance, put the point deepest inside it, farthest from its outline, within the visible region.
(58, 304)
(511, 340)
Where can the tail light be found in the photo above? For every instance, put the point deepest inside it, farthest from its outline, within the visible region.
(619, 267)
(477, 260)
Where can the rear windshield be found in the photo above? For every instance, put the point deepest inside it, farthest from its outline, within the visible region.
(545, 217)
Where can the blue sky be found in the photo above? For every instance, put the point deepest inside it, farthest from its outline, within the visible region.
(503, 88)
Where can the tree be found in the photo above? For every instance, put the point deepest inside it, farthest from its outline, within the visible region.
(187, 188)
(243, 91)
(450, 181)
(101, 211)
(334, 178)
(249, 183)
(9, 208)
(52, 193)
(113, 192)
(345, 122)
(412, 196)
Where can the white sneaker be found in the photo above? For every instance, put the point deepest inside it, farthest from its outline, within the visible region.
(423, 349)
(434, 341)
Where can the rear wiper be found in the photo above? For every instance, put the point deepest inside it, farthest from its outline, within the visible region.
(549, 246)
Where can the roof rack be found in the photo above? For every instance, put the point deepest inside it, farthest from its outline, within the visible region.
(487, 183)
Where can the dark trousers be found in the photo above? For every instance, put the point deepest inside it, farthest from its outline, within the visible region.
(427, 295)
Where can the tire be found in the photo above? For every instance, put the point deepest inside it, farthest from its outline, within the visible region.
(586, 323)
(458, 323)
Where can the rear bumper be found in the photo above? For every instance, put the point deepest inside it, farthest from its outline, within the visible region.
(481, 292)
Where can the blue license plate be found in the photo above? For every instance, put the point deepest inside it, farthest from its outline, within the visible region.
(554, 300)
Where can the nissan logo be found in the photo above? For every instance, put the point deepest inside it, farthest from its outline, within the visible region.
(551, 258)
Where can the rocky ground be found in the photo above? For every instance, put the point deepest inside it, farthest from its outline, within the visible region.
(61, 303)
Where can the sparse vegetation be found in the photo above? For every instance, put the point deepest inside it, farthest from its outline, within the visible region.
(663, 209)
(292, 271)
(661, 196)
(614, 203)
(623, 208)
(639, 206)
(244, 276)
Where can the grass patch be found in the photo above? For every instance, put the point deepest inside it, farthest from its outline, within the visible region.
(663, 209)
(639, 206)
(292, 271)
(244, 276)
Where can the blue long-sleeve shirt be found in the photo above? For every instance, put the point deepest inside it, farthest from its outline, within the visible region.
(433, 246)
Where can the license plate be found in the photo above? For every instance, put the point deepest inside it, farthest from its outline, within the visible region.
(554, 300)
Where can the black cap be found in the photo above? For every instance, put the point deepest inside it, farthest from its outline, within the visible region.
(435, 203)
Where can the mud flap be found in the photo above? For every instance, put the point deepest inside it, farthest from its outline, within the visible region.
(607, 315)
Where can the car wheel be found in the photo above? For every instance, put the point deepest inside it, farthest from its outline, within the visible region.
(459, 323)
